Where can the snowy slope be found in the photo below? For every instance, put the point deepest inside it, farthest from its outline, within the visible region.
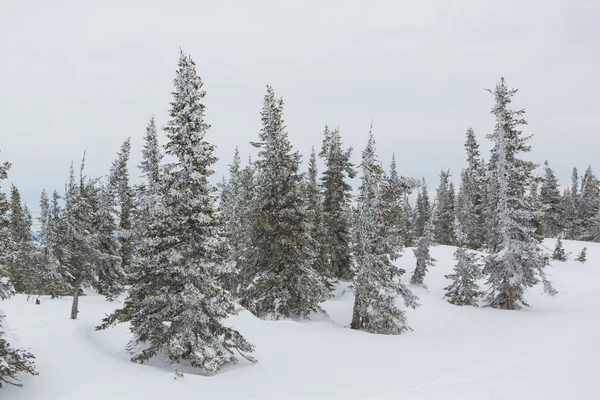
(549, 351)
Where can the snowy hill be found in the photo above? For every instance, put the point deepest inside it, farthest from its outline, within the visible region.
(548, 351)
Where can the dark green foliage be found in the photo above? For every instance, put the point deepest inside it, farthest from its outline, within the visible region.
(337, 194)
(582, 257)
(559, 252)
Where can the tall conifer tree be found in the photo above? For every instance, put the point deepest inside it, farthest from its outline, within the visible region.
(176, 304)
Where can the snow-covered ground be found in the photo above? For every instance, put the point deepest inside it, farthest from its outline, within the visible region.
(549, 351)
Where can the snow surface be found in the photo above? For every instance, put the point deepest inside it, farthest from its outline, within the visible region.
(549, 351)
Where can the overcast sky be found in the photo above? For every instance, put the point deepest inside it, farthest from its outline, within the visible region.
(83, 76)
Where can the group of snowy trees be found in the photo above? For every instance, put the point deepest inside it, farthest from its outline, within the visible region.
(274, 239)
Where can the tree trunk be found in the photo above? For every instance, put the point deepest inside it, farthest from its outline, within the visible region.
(355, 315)
(75, 306)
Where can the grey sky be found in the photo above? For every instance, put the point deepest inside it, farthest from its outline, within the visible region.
(78, 76)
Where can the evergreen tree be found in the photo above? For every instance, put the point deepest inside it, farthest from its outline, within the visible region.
(236, 197)
(44, 216)
(12, 361)
(318, 233)
(573, 224)
(147, 194)
(337, 194)
(516, 262)
(392, 202)
(246, 192)
(57, 240)
(551, 201)
(376, 280)
(590, 204)
(464, 290)
(582, 257)
(82, 255)
(175, 304)
(21, 270)
(281, 255)
(408, 221)
(111, 275)
(151, 158)
(422, 255)
(535, 203)
(559, 252)
(422, 210)
(119, 185)
(394, 191)
(470, 205)
(444, 215)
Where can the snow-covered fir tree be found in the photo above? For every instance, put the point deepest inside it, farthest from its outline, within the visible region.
(175, 305)
(118, 184)
(516, 262)
(82, 251)
(314, 199)
(408, 221)
(423, 257)
(551, 201)
(337, 194)
(582, 256)
(422, 209)
(236, 197)
(590, 205)
(464, 291)
(470, 198)
(559, 251)
(111, 275)
(443, 223)
(147, 193)
(21, 269)
(280, 259)
(572, 223)
(376, 280)
(394, 191)
(12, 361)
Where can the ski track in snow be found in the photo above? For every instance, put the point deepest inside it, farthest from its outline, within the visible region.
(549, 351)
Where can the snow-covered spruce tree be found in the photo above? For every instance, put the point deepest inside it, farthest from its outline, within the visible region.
(394, 190)
(236, 197)
(551, 203)
(246, 192)
(147, 194)
(175, 304)
(12, 361)
(516, 261)
(337, 194)
(57, 239)
(559, 251)
(20, 267)
(314, 200)
(111, 275)
(422, 255)
(535, 203)
(443, 223)
(376, 280)
(422, 209)
(280, 261)
(118, 184)
(44, 216)
(582, 257)
(463, 291)
(470, 198)
(573, 225)
(590, 205)
(408, 220)
(82, 255)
